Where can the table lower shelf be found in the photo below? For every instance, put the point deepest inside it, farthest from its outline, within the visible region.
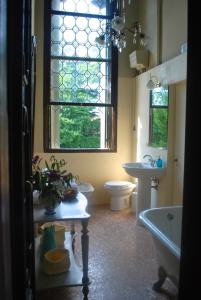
(73, 277)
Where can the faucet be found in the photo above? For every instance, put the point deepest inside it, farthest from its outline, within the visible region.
(150, 159)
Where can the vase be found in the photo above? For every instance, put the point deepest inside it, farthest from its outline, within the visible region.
(50, 200)
(48, 240)
(50, 210)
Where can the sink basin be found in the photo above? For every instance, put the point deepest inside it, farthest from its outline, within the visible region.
(145, 173)
(139, 169)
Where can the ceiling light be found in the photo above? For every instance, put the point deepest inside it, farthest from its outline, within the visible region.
(116, 31)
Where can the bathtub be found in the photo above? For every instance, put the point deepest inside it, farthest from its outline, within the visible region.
(165, 226)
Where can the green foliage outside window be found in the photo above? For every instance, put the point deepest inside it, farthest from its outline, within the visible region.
(159, 127)
(159, 117)
(79, 127)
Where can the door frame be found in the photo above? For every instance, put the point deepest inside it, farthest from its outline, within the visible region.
(189, 282)
(5, 253)
(190, 249)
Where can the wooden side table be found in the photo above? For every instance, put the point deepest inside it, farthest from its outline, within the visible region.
(68, 211)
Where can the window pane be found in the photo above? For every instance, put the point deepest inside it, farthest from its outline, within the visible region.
(80, 81)
(80, 127)
(76, 36)
(97, 7)
(160, 96)
(159, 127)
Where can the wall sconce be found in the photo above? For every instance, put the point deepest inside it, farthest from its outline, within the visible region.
(153, 82)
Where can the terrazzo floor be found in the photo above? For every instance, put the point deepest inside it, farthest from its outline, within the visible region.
(122, 261)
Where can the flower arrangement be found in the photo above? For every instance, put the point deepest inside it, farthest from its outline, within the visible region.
(53, 180)
(52, 174)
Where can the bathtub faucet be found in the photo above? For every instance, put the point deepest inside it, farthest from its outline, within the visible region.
(150, 159)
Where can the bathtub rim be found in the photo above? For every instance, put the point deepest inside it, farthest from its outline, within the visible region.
(157, 233)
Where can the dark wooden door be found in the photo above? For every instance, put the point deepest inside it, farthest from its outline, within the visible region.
(189, 286)
(19, 110)
(5, 245)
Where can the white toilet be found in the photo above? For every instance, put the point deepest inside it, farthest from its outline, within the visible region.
(120, 192)
(87, 189)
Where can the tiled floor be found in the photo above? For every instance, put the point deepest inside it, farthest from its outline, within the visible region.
(122, 261)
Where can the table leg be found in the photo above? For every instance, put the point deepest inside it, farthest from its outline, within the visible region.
(72, 232)
(85, 252)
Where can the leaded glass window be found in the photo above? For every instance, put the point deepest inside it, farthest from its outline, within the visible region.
(80, 77)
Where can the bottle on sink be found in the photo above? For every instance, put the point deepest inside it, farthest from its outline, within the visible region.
(159, 162)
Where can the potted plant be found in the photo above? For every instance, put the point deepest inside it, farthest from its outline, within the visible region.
(51, 181)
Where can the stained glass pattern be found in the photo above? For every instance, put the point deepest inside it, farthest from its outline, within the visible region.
(97, 7)
(80, 67)
(80, 81)
(75, 36)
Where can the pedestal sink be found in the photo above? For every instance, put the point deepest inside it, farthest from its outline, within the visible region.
(145, 174)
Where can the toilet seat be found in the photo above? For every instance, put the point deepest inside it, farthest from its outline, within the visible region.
(118, 185)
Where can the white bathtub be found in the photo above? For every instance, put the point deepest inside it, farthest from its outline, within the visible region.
(164, 223)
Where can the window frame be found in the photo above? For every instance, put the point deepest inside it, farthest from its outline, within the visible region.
(151, 107)
(46, 92)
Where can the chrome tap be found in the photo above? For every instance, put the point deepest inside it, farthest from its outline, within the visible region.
(150, 159)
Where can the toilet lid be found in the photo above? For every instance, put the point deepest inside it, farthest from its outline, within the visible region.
(119, 184)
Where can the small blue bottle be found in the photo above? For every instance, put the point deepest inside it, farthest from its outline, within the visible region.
(159, 162)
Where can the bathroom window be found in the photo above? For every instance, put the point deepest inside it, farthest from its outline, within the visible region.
(80, 78)
(158, 122)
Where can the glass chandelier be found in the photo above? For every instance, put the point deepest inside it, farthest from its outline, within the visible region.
(116, 31)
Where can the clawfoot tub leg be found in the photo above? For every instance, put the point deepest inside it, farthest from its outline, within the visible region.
(161, 278)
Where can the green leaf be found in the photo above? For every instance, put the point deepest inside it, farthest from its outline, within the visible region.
(46, 164)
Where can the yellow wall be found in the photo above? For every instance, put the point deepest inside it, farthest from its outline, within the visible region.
(165, 24)
(97, 168)
(148, 17)
(173, 73)
(179, 142)
(174, 28)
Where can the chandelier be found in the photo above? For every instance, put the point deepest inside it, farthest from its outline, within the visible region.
(116, 30)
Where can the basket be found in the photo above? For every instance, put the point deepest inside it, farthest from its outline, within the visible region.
(70, 195)
(56, 261)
